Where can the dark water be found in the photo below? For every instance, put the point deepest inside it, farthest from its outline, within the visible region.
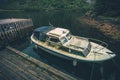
(109, 70)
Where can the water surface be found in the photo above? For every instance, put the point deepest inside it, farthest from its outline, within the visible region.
(108, 70)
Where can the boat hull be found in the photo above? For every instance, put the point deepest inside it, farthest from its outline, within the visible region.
(54, 53)
(63, 54)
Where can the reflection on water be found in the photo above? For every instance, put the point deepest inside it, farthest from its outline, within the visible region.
(108, 70)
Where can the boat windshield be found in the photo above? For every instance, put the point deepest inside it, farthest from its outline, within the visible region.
(63, 40)
(68, 36)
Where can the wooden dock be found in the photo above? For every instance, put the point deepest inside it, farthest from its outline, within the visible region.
(16, 65)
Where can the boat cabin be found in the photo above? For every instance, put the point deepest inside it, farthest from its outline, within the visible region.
(51, 34)
(61, 38)
(40, 33)
(59, 35)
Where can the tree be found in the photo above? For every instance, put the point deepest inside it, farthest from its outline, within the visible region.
(107, 7)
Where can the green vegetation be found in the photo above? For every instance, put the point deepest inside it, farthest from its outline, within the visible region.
(109, 8)
(47, 5)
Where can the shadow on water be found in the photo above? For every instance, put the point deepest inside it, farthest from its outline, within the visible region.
(82, 70)
(109, 70)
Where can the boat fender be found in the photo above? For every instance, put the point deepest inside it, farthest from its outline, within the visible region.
(74, 62)
(69, 50)
(36, 46)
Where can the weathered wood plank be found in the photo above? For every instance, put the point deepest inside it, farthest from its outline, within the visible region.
(16, 71)
(54, 71)
(21, 68)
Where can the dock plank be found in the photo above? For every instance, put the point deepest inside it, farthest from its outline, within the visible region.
(39, 73)
(19, 66)
(23, 71)
(15, 71)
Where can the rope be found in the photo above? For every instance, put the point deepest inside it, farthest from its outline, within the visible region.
(92, 71)
(93, 65)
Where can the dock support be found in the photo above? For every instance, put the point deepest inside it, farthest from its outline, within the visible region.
(14, 29)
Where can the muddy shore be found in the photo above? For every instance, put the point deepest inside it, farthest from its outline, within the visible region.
(109, 29)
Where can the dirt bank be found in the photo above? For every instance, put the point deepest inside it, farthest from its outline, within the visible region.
(109, 29)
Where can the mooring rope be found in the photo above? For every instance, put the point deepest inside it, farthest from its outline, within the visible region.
(93, 65)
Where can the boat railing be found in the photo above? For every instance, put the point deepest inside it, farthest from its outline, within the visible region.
(98, 42)
(81, 38)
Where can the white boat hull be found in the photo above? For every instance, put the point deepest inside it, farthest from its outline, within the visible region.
(92, 57)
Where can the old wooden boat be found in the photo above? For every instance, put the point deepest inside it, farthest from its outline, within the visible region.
(60, 42)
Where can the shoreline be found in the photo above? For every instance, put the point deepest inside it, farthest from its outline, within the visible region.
(109, 29)
(7, 10)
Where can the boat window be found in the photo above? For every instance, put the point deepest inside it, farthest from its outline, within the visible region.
(42, 36)
(86, 52)
(63, 40)
(36, 34)
(68, 36)
(54, 40)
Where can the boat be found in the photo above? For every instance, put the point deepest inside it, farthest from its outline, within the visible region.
(60, 42)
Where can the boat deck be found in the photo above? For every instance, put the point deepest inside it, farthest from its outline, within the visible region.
(77, 43)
